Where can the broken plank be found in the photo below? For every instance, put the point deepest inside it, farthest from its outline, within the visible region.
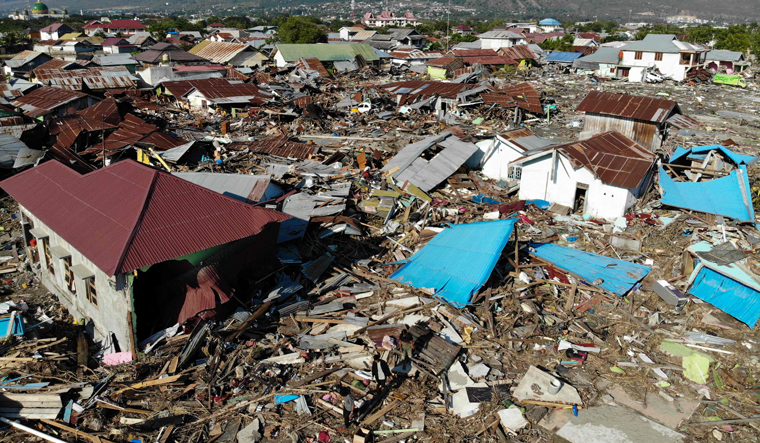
(379, 414)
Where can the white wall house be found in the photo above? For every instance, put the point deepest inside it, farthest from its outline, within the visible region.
(558, 175)
(497, 39)
(494, 155)
(663, 52)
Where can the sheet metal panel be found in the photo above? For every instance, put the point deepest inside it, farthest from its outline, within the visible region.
(726, 294)
(720, 196)
(457, 262)
(617, 276)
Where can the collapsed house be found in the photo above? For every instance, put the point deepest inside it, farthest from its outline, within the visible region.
(601, 176)
(429, 161)
(709, 179)
(113, 243)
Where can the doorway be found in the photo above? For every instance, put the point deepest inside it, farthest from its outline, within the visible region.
(579, 201)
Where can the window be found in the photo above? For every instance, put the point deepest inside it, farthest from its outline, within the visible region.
(658, 56)
(68, 275)
(48, 255)
(515, 172)
(92, 293)
(639, 55)
(612, 70)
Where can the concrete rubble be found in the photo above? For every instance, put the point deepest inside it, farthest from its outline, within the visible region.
(536, 323)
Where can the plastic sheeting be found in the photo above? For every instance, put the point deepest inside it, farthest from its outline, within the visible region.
(456, 263)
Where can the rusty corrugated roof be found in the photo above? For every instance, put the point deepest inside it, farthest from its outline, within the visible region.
(649, 109)
(280, 146)
(108, 77)
(45, 99)
(221, 52)
(128, 216)
(612, 157)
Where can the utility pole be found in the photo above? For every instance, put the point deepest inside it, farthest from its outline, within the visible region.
(448, 26)
(103, 136)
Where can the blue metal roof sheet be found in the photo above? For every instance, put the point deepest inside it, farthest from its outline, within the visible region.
(457, 262)
(737, 158)
(549, 22)
(728, 295)
(728, 196)
(562, 57)
(618, 276)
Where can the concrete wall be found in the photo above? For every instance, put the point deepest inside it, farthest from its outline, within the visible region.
(670, 65)
(114, 296)
(494, 157)
(602, 200)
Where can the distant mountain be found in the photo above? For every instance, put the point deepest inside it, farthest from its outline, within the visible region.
(731, 11)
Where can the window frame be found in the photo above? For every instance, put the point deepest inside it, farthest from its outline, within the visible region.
(639, 55)
(90, 291)
(48, 255)
(68, 275)
(658, 56)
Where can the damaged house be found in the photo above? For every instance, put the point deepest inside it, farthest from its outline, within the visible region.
(116, 243)
(602, 176)
(643, 119)
(429, 161)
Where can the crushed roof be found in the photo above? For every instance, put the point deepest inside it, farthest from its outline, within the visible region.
(44, 100)
(104, 77)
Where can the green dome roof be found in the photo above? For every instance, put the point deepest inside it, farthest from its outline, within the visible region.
(40, 7)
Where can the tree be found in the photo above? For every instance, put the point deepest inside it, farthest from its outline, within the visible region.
(565, 44)
(298, 29)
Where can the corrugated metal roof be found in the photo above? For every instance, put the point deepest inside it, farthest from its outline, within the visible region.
(222, 52)
(9, 149)
(526, 96)
(725, 56)
(500, 34)
(618, 276)
(428, 174)
(110, 77)
(246, 188)
(730, 288)
(412, 89)
(327, 52)
(612, 157)
(45, 99)
(458, 261)
(684, 122)
(649, 109)
(519, 52)
(562, 57)
(662, 43)
(23, 58)
(128, 216)
(280, 146)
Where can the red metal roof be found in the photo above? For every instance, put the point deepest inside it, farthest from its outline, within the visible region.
(649, 109)
(518, 52)
(474, 52)
(613, 158)
(128, 216)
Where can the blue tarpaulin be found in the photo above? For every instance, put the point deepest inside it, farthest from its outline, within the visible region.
(618, 276)
(729, 287)
(729, 196)
(562, 57)
(457, 262)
